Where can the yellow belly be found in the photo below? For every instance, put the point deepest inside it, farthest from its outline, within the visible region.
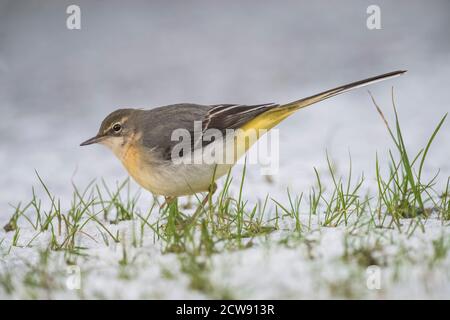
(132, 161)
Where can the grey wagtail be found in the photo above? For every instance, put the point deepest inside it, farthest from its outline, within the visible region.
(142, 139)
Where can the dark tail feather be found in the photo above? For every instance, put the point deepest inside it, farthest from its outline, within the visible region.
(333, 92)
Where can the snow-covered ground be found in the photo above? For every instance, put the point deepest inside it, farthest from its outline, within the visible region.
(324, 262)
(57, 85)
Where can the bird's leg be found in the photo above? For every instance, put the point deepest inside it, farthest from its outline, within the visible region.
(167, 202)
(198, 211)
(212, 188)
(211, 191)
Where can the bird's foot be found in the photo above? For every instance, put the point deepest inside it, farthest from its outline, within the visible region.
(167, 202)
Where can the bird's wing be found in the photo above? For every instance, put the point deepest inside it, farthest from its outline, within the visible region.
(160, 124)
(233, 116)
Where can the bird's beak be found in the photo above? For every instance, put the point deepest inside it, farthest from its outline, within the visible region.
(92, 140)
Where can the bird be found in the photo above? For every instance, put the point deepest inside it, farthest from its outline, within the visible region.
(143, 140)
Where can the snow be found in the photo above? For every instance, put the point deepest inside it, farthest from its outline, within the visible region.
(55, 96)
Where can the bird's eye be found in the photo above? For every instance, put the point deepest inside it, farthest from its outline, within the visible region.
(117, 127)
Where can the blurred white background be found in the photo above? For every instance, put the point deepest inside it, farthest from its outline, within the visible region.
(56, 85)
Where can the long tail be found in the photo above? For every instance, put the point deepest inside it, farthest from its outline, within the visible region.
(334, 92)
(274, 116)
(271, 118)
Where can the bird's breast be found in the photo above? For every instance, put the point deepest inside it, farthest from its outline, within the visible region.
(133, 161)
(167, 179)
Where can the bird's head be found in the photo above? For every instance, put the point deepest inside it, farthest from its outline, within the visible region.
(116, 130)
